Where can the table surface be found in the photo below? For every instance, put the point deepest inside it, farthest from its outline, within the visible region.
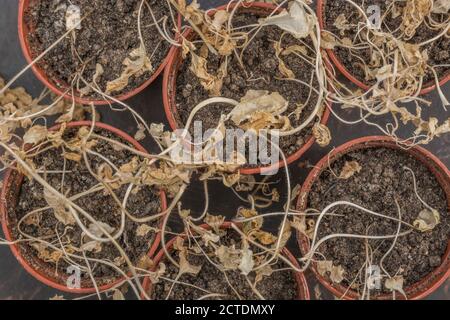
(16, 283)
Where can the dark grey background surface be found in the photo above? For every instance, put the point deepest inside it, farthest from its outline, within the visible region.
(16, 283)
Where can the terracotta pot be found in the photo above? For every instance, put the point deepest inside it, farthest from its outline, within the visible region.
(43, 273)
(347, 73)
(170, 79)
(302, 284)
(433, 280)
(56, 85)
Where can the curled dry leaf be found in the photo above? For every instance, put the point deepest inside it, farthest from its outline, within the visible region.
(59, 208)
(144, 229)
(265, 271)
(414, 14)
(326, 268)
(322, 134)
(427, 220)
(229, 257)
(213, 84)
(295, 21)
(215, 222)
(92, 246)
(169, 178)
(395, 284)
(135, 65)
(118, 295)
(441, 6)
(35, 135)
(256, 101)
(252, 225)
(265, 238)
(342, 23)
(140, 134)
(45, 254)
(105, 174)
(246, 265)
(96, 231)
(220, 17)
(349, 170)
(185, 266)
(145, 262)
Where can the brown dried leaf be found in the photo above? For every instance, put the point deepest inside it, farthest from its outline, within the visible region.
(350, 169)
(395, 284)
(135, 65)
(322, 134)
(59, 208)
(35, 135)
(257, 101)
(427, 220)
(144, 229)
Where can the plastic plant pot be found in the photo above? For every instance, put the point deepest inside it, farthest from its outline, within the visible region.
(170, 79)
(321, 5)
(57, 86)
(31, 263)
(302, 284)
(429, 283)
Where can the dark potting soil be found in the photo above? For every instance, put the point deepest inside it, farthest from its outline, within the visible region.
(100, 205)
(381, 180)
(280, 285)
(261, 73)
(438, 51)
(108, 35)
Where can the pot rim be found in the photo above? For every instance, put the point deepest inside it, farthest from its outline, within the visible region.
(343, 69)
(433, 280)
(169, 82)
(302, 284)
(41, 276)
(23, 30)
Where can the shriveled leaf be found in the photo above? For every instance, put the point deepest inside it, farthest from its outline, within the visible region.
(220, 17)
(350, 169)
(135, 65)
(342, 24)
(295, 21)
(265, 238)
(143, 230)
(59, 208)
(186, 267)
(118, 295)
(395, 284)
(266, 271)
(215, 222)
(230, 257)
(212, 83)
(427, 220)
(73, 156)
(96, 231)
(256, 101)
(35, 135)
(326, 268)
(247, 263)
(441, 6)
(322, 134)
(145, 262)
(337, 274)
(140, 134)
(92, 246)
